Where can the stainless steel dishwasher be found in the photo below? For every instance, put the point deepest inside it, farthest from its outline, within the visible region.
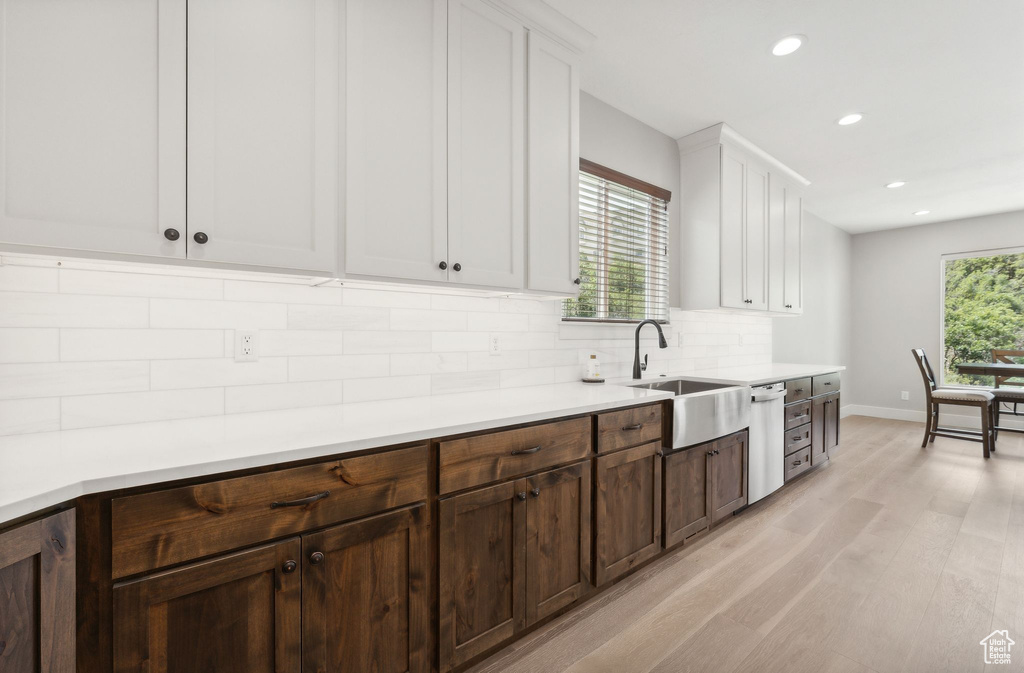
(765, 471)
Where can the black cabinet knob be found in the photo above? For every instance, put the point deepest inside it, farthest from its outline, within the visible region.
(443, 265)
(577, 281)
(457, 266)
(711, 453)
(171, 234)
(535, 491)
(316, 557)
(521, 495)
(289, 567)
(200, 238)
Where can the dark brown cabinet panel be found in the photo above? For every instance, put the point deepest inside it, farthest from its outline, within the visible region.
(824, 427)
(482, 559)
(239, 613)
(798, 414)
(629, 427)
(687, 504)
(831, 422)
(37, 596)
(364, 595)
(628, 516)
(728, 483)
(557, 539)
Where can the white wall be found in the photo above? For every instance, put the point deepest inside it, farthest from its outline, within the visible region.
(612, 138)
(822, 334)
(896, 304)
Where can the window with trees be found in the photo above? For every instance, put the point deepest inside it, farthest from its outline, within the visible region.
(623, 248)
(983, 312)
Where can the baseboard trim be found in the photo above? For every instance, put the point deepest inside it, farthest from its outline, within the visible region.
(972, 422)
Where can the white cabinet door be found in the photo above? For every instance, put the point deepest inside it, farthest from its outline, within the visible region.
(263, 129)
(486, 67)
(92, 98)
(786, 248)
(733, 236)
(553, 238)
(396, 201)
(756, 237)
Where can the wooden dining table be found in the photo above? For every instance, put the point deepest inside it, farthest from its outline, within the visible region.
(1011, 369)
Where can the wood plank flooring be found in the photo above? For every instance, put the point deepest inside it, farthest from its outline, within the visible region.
(892, 558)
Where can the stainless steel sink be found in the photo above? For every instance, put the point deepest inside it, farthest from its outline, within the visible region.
(702, 411)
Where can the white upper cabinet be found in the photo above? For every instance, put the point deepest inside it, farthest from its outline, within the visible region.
(396, 86)
(92, 98)
(786, 240)
(486, 94)
(263, 132)
(741, 229)
(553, 153)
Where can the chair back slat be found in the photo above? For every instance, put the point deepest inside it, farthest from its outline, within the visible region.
(1007, 356)
(927, 374)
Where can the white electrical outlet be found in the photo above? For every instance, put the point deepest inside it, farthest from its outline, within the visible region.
(904, 395)
(494, 345)
(247, 345)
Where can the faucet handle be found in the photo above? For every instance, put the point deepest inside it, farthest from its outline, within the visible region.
(643, 365)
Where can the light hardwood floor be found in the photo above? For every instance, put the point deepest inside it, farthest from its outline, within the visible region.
(892, 558)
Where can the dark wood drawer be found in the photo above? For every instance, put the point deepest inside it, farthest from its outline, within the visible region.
(798, 438)
(829, 383)
(481, 459)
(629, 427)
(798, 463)
(798, 414)
(798, 389)
(153, 530)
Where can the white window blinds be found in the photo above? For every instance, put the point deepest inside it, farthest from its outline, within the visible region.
(623, 248)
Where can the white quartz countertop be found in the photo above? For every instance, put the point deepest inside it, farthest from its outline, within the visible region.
(756, 375)
(41, 470)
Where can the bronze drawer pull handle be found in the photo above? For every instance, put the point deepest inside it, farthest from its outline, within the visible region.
(519, 452)
(302, 501)
(797, 463)
(633, 427)
(828, 383)
(799, 390)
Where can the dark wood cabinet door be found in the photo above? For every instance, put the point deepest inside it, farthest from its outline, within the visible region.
(482, 558)
(628, 516)
(364, 595)
(687, 499)
(557, 539)
(728, 483)
(831, 423)
(819, 449)
(37, 596)
(238, 613)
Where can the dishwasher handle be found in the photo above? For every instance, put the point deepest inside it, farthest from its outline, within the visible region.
(768, 397)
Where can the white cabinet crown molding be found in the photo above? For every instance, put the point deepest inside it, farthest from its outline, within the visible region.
(536, 14)
(722, 133)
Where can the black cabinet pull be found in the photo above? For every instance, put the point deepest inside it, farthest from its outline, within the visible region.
(717, 452)
(443, 265)
(828, 383)
(316, 557)
(535, 491)
(797, 463)
(171, 234)
(576, 282)
(302, 501)
(799, 390)
(457, 267)
(521, 495)
(711, 453)
(519, 452)
(633, 427)
(200, 238)
(659, 453)
(289, 567)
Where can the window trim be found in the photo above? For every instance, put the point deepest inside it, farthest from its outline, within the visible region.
(636, 184)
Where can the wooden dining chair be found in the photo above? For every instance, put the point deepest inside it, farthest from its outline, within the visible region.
(983, 400)
(1010, 397)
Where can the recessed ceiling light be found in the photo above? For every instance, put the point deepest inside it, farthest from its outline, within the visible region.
(894, 185)
(788, 45)
(922, 212)
(850, 119)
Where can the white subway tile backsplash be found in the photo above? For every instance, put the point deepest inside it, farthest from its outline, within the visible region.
(22, 417)
(90, 348)
(197, 314)
(24, 344)
(216, 372)
(78, 345)
(91, 411)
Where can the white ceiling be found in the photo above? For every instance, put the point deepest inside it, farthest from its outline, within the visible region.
(940, 84)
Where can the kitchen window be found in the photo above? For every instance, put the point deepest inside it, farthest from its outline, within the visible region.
(623, 248)
(982, 313)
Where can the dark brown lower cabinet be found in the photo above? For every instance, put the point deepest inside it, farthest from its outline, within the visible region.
(628, 510)
(687, 505)
(509, 556)
(37, 596)
(364, 596)
(703, 485)
(239, 613)
(824, 427)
